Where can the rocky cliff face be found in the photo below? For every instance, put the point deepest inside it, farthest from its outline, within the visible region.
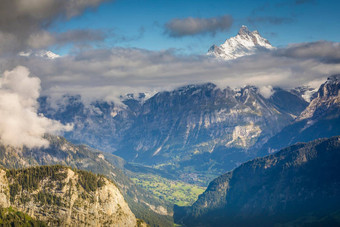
(328, 97)
(298, 185)
(199, 118)
(320, 119)
(61, 196)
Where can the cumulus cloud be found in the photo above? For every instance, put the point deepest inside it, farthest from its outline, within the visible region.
(195, 26)
(266, 91)
(23, 22)
(20, 125)
(322, 50)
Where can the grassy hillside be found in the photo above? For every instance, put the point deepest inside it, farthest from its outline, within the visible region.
(175, 192)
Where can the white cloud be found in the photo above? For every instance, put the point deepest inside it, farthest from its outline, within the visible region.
(107, 74)
(266, 91)
(23, 22)
(20, 125)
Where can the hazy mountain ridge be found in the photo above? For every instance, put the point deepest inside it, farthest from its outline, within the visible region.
(298, 185)
(181, 125)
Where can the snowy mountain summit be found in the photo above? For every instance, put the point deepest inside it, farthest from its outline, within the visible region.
(244, 43)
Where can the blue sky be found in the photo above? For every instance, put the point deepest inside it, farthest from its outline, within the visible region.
(140, 23)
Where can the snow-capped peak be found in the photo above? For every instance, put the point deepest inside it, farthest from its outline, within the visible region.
(244, 30)
(244, 43)
(42, 53)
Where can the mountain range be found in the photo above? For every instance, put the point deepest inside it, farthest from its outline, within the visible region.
(198, 132)
(187, 130)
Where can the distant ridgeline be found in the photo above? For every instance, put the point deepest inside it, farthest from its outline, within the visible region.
(299, 185)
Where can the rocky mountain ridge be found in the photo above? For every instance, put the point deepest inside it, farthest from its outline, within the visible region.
(297, 186)
(320, 119)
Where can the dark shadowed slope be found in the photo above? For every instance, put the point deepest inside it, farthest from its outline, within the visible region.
(299, 185)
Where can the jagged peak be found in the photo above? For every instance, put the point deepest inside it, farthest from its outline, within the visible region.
(244, 43)
(213, 47)
(244, 30)
(256, 32)
(334, 78)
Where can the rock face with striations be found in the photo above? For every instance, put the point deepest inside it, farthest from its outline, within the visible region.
(61, 196)
(195, 127)
(320, 119)
(298, 185)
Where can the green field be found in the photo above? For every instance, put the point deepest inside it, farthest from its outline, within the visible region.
(175, 192)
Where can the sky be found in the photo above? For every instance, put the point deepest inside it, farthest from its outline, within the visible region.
(142, 23)
(109, 49)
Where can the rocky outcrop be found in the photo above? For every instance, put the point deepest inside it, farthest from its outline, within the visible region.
(320, 119)
(4, 190)
(328, 97)
(61, 196)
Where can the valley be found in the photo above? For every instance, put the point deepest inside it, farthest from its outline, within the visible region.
(174, 192)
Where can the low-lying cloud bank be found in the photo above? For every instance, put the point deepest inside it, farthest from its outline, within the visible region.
(107, 74)
(19, 122)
